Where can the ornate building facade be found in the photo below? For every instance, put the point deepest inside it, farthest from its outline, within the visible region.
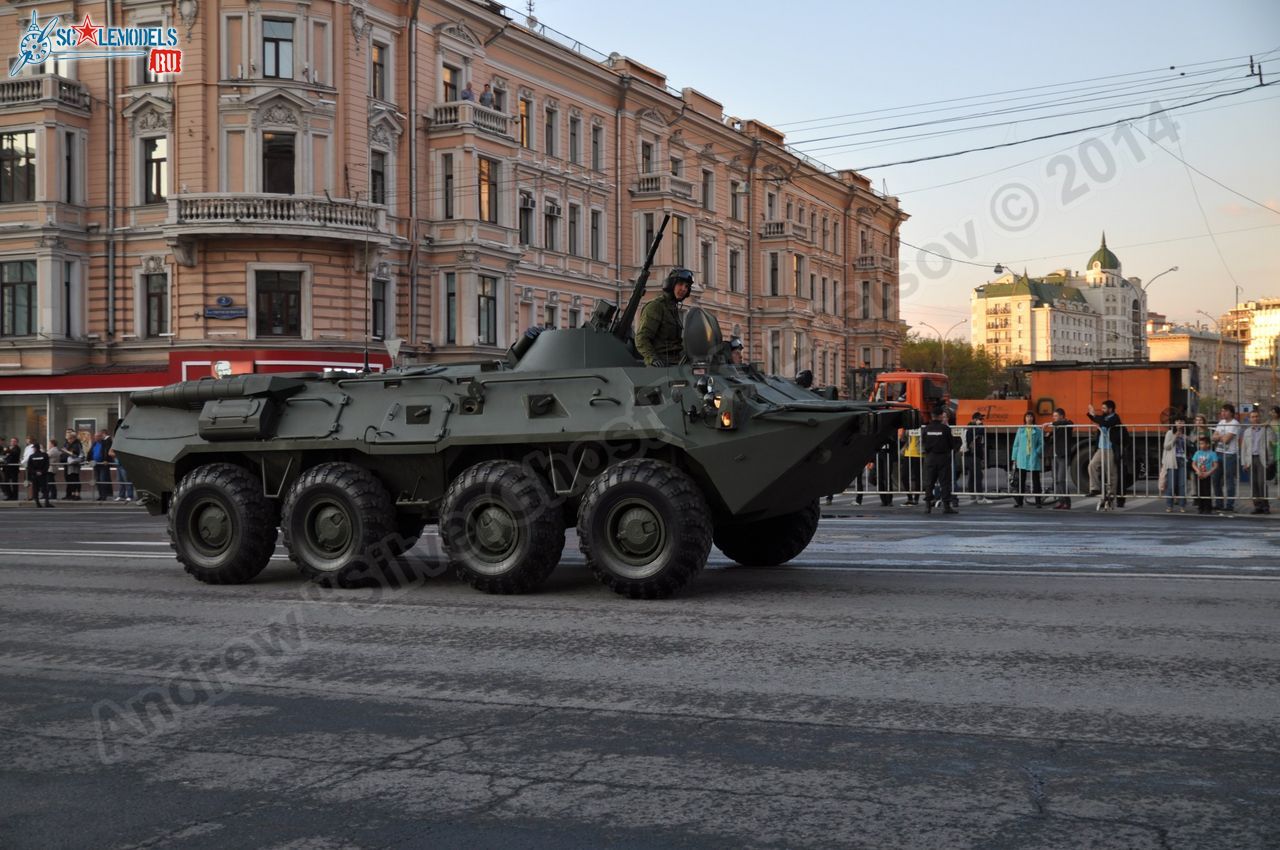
(323, 176)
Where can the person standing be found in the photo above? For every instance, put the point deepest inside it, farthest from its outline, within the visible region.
(55, 458)
(486, 97)
(1173, 466)
(30, 447)
(1204, 463)
(909, 472)
(660, 335)
(100, 455)
(1255, 451)
(468, 93)
(125, 493)
(975, 460)
(12, 457)
(38, 474)
(72, 454)
(1058, 434)
(1226, 442)
(938, 442)
(1102, 466)
(1028, 458)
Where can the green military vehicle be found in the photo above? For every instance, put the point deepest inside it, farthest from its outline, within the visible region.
(652, 464)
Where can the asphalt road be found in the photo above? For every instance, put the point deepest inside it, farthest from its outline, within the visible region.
(999, 679)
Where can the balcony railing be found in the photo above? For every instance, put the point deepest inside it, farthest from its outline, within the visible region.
(465, 113)
(662, 184)
(46, 87)
(784, 229)
(275, 215)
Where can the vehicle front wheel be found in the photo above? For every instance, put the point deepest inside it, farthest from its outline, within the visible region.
(644, 528)
(500, 528)
(335, 517)
(220, 524)
(770, 542)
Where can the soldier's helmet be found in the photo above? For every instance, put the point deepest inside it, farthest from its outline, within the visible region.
(677, 276)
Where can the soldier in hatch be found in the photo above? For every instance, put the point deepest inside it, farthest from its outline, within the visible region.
(659, 338)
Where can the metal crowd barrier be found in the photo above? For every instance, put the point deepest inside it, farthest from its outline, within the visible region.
(113, 485)
(987, 467)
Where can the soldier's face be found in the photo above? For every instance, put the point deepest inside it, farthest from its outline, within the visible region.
(681, 291)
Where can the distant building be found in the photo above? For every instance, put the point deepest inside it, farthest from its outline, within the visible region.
(1064, 315)
(1224, 373)
(1256, 324)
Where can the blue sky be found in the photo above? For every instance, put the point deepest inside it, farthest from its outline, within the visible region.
(1047, 201)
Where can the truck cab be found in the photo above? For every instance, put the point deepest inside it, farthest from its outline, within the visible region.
(921, 390)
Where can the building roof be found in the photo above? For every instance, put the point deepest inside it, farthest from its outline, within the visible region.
(1104, 256)
(1043, 292)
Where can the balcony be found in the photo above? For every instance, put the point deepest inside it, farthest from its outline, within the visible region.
(235, 215)
(871, 262)
(463, 114)
(46, 88)
(784, 229)
(660, 185)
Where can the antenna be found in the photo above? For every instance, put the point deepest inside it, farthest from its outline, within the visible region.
(530, 18)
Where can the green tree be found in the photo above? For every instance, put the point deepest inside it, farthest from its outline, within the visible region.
(973, 372)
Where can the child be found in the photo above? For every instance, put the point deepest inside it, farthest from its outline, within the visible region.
(1204, 463)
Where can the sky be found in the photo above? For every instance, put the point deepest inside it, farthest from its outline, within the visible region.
(827, 70)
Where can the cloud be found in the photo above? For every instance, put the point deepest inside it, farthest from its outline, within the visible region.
(1236, 209)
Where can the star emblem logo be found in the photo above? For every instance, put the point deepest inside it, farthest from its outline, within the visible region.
(87, 31)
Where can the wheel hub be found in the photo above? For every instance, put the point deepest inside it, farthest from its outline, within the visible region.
(331, 528)
(494, 529)
(638, 531)
(214, 526)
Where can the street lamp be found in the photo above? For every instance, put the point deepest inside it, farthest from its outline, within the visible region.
(942, 339)
(1147, 285)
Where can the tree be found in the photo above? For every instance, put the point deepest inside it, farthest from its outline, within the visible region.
(973, 372)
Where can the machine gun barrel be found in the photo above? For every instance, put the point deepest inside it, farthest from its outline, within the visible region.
(623, 326)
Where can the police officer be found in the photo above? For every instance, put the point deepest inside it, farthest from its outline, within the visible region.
(38, 474)
(659, 339)
(735, 351)
(938, 443)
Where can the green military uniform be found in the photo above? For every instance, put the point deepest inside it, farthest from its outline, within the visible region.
(660, 336)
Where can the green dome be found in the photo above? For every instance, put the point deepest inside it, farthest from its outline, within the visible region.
(1104, 256)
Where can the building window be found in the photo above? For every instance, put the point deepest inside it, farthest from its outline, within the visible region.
(17, 167)
(886, 301)
(771, 206)
(866, 299)
(575, 222)
(813, 285)
(835, 297)
(575, 140)
(145, 75)
(279, 303)
(866, 364)
(527, 207)
(156, 289)
(775, 352)
(377, 177)
(708, 274)
(550, 316)
(646, 157)
(18, 298)
(551, 225)
(826, 230)
(69, 168)
(488, 189)
(835, 237)
(648, 232)
(735, 200)
(155, 175)
(526, 118)
(677, 234)
(446, 175)
(378, 308)
(277, 49)
(597, 148)
(596, 245)
(797, 274)
(677, 166)
(735, 270)
(487, 311)
(708, 190)
(551, 132)
(824, 295)
(451, 78)
(378, 71)
(797, 351)
(575, 317)
(450, 308)
(277, 163)
(773, 272)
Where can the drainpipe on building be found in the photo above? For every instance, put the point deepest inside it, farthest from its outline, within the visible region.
(111, 187)
(413, 174)
(624, 83)
(751, 246)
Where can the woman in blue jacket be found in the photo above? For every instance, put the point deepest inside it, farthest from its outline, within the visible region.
(1028, 453)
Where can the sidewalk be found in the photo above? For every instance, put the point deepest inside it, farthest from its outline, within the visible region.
(1142, 505)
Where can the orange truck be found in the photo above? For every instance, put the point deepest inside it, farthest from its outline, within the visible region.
(1146, 394)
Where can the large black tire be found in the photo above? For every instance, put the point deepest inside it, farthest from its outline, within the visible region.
(221, 525)
(770, 542)
(336, 515)
(500, 528)
(644, 529)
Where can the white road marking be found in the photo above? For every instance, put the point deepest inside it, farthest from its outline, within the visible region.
(1053, 573)
(124, 542)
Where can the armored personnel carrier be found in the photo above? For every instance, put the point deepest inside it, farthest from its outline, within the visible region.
(652, 464)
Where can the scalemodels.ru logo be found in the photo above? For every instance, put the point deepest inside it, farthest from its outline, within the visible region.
(40, 44)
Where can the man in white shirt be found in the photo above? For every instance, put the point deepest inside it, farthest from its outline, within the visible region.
(1226, 442)
(1256, 448)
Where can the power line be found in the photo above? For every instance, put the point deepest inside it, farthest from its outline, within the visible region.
(1205, 176)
